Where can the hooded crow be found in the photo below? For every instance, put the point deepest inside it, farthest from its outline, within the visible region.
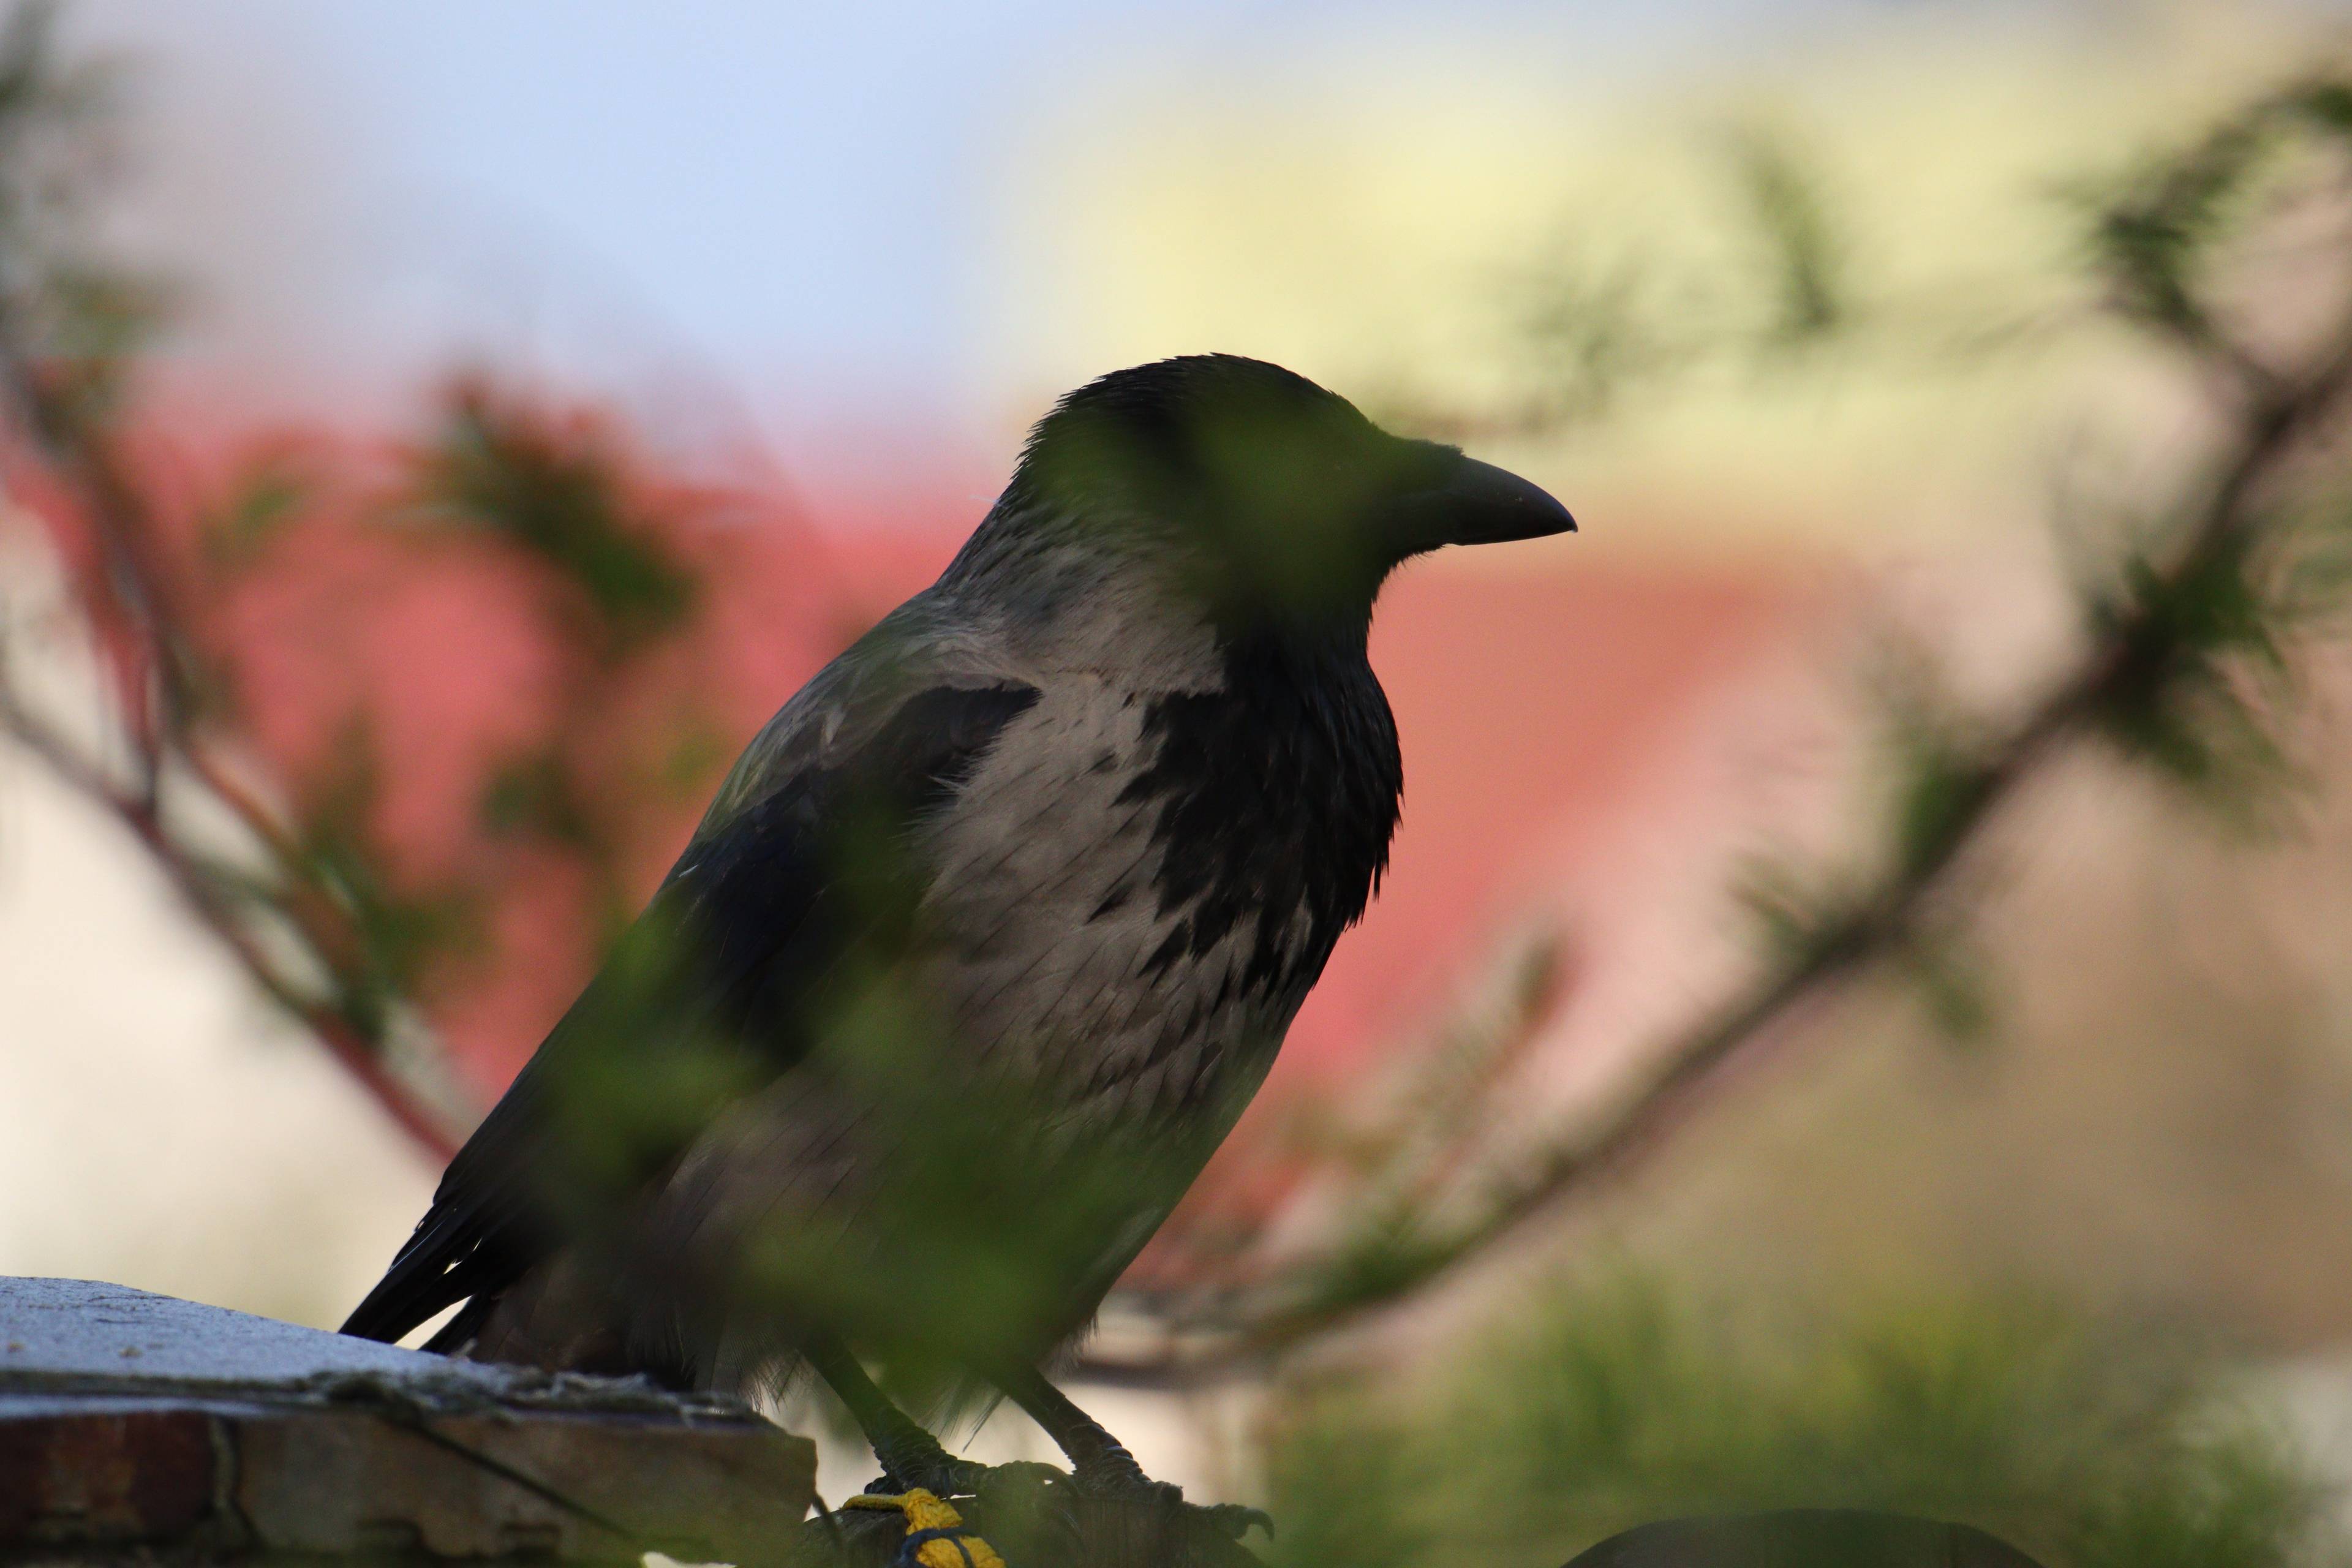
(986, 940)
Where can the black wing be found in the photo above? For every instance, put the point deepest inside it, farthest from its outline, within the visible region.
(707, 995)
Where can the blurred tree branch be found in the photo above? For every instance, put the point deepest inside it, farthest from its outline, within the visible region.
(290, 872)
(69, 328)
(2160, 675)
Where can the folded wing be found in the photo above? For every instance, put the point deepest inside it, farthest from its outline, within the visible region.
(707, 997)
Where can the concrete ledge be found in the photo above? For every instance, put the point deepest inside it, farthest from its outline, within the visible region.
(130, 1423)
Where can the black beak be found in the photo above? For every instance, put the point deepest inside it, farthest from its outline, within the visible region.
(1478, 503)
(1493, 506)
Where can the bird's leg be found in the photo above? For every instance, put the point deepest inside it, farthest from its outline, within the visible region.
(1098, 1459)
(1100, 1463)
(910, 1456)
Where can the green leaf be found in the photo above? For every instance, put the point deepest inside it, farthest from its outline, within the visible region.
(556, 494)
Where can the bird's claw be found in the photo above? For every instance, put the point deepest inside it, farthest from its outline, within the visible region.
(1236, 1518)
(1231, 1519)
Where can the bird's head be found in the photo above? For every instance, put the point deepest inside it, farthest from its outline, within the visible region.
(1256, 490)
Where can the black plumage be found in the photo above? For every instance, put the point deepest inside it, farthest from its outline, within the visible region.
(1277, 793)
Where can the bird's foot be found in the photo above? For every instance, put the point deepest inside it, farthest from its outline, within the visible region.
(1024, 1508)
(1037, 1492)
(1128, 1483)
(944, 1475)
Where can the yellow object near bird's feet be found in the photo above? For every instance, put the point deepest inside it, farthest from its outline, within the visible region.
(935, 1534)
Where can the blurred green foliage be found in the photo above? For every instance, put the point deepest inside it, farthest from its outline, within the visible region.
(2087, 1444)
(558, 495)
(392, 931)
(67, 316)
(2195, 651)
(1803, 254)
(1594, 1407)
(330, 919)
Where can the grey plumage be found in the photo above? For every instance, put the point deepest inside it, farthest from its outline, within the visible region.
(1022, 891)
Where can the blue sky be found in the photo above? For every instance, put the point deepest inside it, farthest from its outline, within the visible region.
(747, 199)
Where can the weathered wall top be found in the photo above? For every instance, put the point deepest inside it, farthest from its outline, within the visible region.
(133, 1422)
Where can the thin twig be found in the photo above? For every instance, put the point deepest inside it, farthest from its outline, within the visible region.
(140, 812)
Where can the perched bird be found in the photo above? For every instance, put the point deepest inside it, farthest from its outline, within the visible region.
(988, 937)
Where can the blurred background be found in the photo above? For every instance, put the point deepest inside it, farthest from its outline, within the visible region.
(1860, 1009)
